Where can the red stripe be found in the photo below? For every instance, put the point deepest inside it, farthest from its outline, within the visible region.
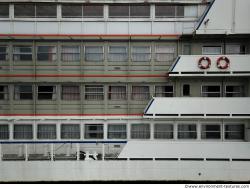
(71, 114)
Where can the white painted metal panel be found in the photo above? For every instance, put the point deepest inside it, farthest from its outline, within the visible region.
(140, 27)
(94, 27)
(71, 27)
(117, 27)
(163, 28)
(5, 27)
(47, 27)
(24, 27)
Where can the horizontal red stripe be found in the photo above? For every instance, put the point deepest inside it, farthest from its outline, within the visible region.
(71, 114)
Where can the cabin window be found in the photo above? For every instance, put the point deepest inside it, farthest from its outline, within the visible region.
(169, 11)
(94, 53)
(93, 11)
(71, 10)
(4, 10)
(211, 91)
(140, 131)
(141, 53)
(163, 131)
(3, 53)
(117, 131)
(46, 11)
(23, 131)
(70, 53)
(164, 53)
(235, 49)
(118, 11)
(23, 92)
(140, 93)
(70, 131)
(46, 53)
(234, 131)
(186, 90)
(24, 10)
(94, 92)
(191, 11)
(139, 11)
(4, 92)
(70, 92)
(118, 54)
(4, 131)
(46, 92)
(186, 49)
(46, 131)
(234, 91)
(93, 131)
(117, 93)
(187, 131)
(164, 91)
(210, 131)
(22, 53)
(211, 50)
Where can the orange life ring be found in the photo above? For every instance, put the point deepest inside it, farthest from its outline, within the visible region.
(225, 65)
(204, 66)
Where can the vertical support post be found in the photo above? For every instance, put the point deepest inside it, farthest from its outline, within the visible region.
(68, 150)
(26, 152)
(77, 151)
(103, 151)
(52, 152)
(0, 152)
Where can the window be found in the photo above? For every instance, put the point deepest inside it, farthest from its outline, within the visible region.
(4, 93)
(94, 92)
(235, 49)
(191, 11)
(140, 93)
(3, 53)
(164, 91)
(210, 131)
(118, 11)
(70, 92)
(70, 53)
(117, 93)
(187, 131)
(141, 53)
(71, 10)
(23, 131)
(139, 11)
(234, 131)
(22, 53)
(93, 11)
(186, 49)
(94, 53)
(117, 54)
(93, 131)
(186, 90)
(46, 11)
(70, 131)
(23, 92)
(4, 10)
(24, 10)
(234, 91)
(46, 92)
(46, 53)
(140, 131)
(210, 50)
(169, 11)
(4, 131)
(46, 131)
(210, 91)
(163, 131)
(117, 131)
(164, 53)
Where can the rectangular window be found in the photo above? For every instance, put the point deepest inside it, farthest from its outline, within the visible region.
(70, 92)
(139, 11)
(22, 53)
(117, 93)
(24, 10)
(140, 93)
(94, 53)
(4, 10)
(210, 131)
(210, 91)
(179, 11)
(70, 131)
(46, 11)
(4, 131)
(23, 131)
(94, 92)
(3, 53)
(140, 131)
(211, 50)
(46, 92)
(93, 11)
(164, 11)
(71, 10)
(46, 53)
(4, 92)
(141, 53)
(186, 90)
(118, 11)
(23, 92)
(164, 91)
(93, 131)
(235, 49)
(234, 131)
(191, 11)
(187, 131)
(46, 131)
(70, 53)
(117, 54)
(234, 91)
(163, 131)
(117, 131)
(164, 53)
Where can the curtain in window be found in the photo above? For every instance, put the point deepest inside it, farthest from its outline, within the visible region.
(94, 92)
(70, 93)
(70, 53)
(141, 53)
(46, 53)
(117, 131)
(94, 53)
(118, 54)
(46, 131)
(70, 131)
(117, 93)
(23, 131)
(163, 131)
(23, 92)
(4, 131)
(187, 131)
(140, 131)
(164, 53)
(140, 92)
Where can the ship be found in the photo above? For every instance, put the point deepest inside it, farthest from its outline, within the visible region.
(124, 90)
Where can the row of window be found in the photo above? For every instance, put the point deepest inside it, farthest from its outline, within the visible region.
(115, 92)
(41, 10)
(230, 131)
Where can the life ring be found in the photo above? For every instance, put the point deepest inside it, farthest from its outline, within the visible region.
(225, 65)
(203, 66)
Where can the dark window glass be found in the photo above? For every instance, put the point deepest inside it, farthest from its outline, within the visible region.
(186, 90)
(23, 92)
(93, 11)
(118, 11)
(70, 131)
(139, 10)
(3, 53)
(180, 11)
(94, 131)
(24, 10)
(46, 53)
(4, 93)
(72, 10)
(140, 131)
(164, 11)
(163, 131)
(211, 91)
(4, 10)
(117, 131)
(46, 131)
(46, 92)
(210, 131)
(22, 53)
(187, 131)
(46, 11)
(234, 131)
(164, 91)
(23, 131)
(4, 131)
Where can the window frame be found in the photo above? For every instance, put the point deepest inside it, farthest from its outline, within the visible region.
(163, 132)
(213, 131)
(156, 53)
(234, 123)
(211, 46)
(6, 94)
(187, 138)
(241, 93)
(47, 53)
(48, 138)
(146, 134)
(167, 85)
(126, 53)
(70, 93)
(122, 133)
(102, 53)
(71, 53)
(120, 94)
(102, 94)
(5, 135)
(54, 93)
(19, 54)
(17, 92)
(101, 132)
(140, 99)
(206, 85)
(133, 59)
(70, 134)
(6, 54)
(30, 132)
